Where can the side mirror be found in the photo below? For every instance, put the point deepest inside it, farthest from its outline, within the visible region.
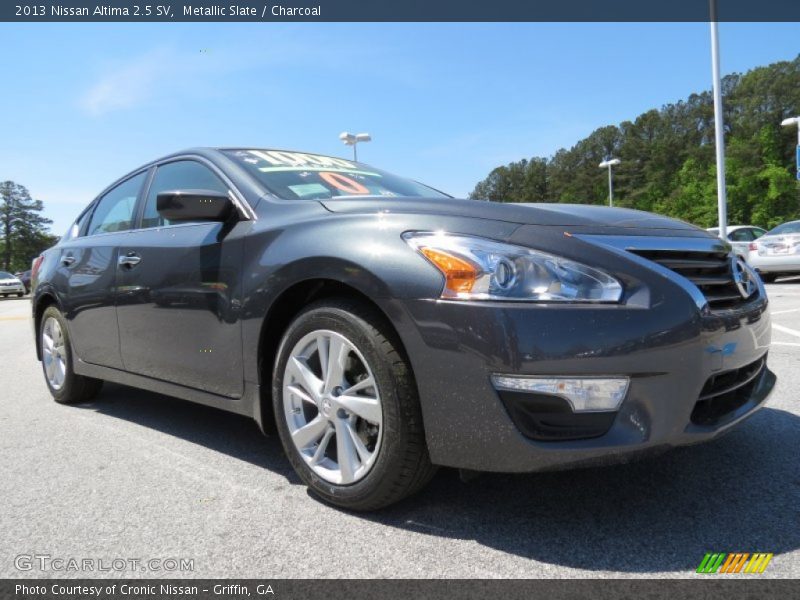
(194, 205)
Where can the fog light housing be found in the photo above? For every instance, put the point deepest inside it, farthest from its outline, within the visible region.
(584, 394)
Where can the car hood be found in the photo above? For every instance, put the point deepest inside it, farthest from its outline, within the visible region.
(12, 280)
(582, 217)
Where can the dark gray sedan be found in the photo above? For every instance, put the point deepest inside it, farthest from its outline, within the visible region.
(383, 327)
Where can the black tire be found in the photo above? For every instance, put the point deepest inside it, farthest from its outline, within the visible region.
(76, 388)
(402, 466)
(20, 294)
(5, 295)
(768, 277)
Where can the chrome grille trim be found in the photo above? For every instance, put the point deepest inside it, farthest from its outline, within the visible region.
(711, 272)
(700, 257)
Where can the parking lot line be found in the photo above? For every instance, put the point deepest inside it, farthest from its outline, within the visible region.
(794, 344)
(786, 330)
(783, 312)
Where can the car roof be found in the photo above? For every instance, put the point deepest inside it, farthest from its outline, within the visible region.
(786, 223)
(214, 154)
(735, 227)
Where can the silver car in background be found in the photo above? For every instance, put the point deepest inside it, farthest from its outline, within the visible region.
(778, 252)
(9, 284)
(742, 238)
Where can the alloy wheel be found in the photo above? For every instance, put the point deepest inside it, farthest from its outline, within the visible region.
(332, 407)
(54, 353)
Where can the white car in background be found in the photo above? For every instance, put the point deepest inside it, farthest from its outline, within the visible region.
(778, 252)
(9, 284)
(742, 238)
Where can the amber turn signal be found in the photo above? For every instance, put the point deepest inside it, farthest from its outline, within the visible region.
(459, 274)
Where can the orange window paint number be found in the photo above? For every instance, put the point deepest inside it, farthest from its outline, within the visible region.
(343, 183)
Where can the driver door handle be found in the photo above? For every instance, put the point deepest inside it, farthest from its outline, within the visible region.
(131, 259)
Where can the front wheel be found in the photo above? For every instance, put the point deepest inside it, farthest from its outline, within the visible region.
(66, 386)
(768, 277)
(347, 409)
(20, 294)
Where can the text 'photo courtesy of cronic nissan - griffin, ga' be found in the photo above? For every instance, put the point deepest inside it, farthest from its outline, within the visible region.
(384, 328)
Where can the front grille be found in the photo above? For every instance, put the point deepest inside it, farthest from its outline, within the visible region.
(711, 272)
(724, 392)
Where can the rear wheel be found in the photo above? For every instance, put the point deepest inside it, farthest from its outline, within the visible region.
(768, 277)
(20, 294)
(64, 384)
(346, 407)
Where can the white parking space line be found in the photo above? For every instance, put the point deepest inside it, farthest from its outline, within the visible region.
(783, 312)
(793, 332)
(793, 344)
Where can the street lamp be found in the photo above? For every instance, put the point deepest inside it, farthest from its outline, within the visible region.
(793, 121)
(352, 139)
(719, 131)
(788, 123)
(610, 163)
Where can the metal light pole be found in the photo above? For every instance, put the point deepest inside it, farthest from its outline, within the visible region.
(350, 139)
(719, 132)
(610, 163)
(788, 123)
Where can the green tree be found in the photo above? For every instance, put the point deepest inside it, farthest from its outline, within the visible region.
(668, 162)
(23, 230)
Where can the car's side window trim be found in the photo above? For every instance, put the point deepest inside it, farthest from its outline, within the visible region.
(82, 220)
(242, 207)
(139, 214)
(96, 202)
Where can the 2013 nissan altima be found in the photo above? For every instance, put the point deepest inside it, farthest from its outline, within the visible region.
(384, 327)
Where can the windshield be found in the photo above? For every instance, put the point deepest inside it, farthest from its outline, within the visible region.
(792, 227)
(4, 275)
(300, 176)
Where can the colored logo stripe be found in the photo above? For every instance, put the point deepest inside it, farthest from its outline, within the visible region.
(710, 563)
(734, 562)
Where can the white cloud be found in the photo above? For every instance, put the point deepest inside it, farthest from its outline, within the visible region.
(127, 85)
(132, 82)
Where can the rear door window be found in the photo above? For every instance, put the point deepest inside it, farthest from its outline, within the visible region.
(741, 235)
(115, 210)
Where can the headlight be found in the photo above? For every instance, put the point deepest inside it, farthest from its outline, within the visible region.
(479, 269)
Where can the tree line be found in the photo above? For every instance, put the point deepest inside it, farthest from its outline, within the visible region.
(23, 230)
(668, 158)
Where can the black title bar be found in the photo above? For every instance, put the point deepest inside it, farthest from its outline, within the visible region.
(708, 588)
(398, 10)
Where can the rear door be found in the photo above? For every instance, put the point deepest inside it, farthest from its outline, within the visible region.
(179, 290)
(86, 275)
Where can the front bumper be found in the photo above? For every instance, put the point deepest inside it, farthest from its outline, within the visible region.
(670, 350)
(12, 289)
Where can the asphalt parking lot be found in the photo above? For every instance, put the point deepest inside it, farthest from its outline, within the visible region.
(138, 475)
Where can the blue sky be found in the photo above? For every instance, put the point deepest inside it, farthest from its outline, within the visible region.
(445, 103)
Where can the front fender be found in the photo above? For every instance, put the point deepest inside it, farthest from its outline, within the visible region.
(363, 251)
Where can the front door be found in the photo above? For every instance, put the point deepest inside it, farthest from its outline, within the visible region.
(178, 292)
